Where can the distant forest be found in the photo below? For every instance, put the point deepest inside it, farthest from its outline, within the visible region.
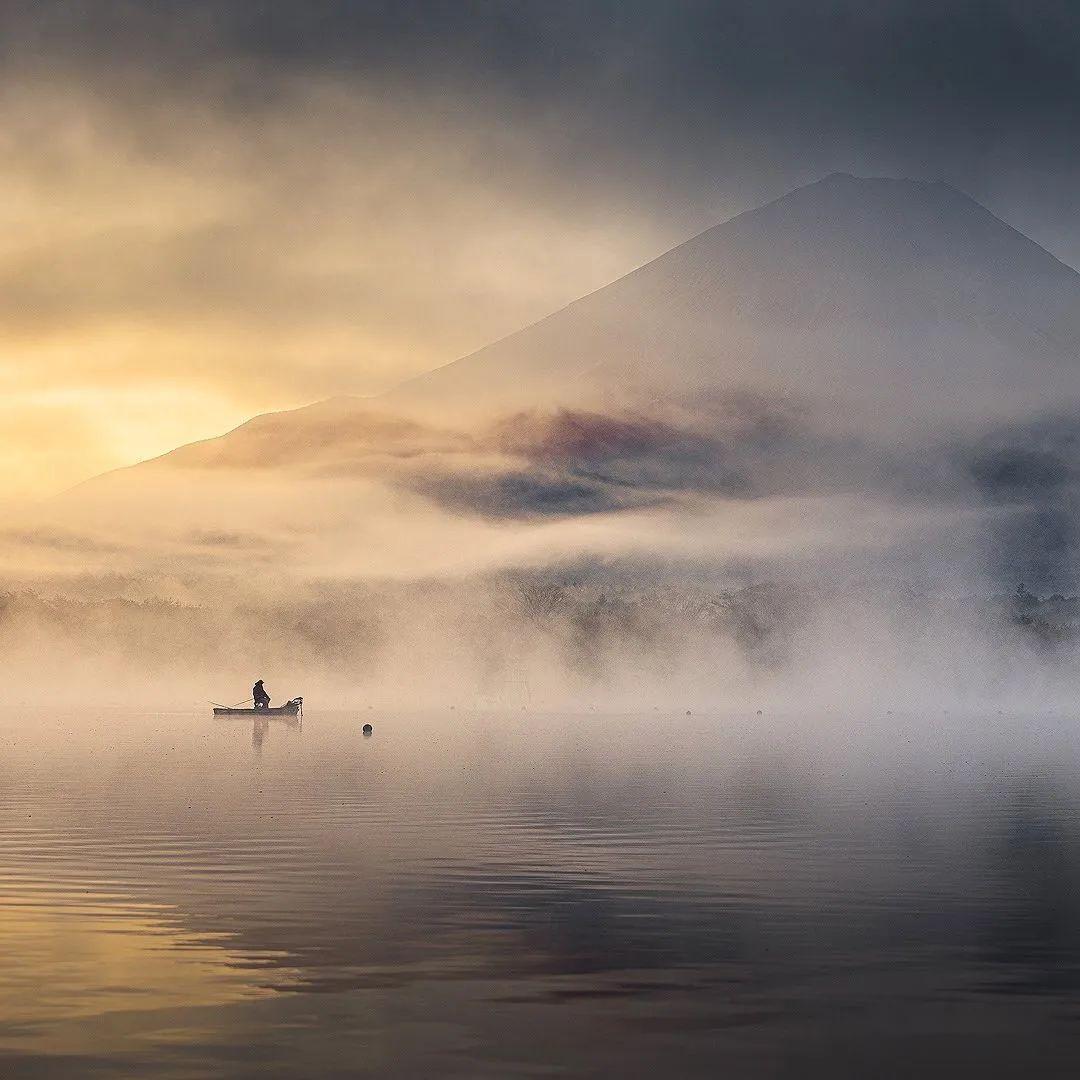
(517, 629)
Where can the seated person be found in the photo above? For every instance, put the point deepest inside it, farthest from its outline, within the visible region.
(261, 697)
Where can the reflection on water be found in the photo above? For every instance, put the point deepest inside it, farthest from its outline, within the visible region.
(260, 726)
(520, 895)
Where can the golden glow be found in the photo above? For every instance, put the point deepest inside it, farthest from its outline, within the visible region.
(106, 959)
(170, 267)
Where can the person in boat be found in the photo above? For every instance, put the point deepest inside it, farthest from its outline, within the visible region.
(260, 696)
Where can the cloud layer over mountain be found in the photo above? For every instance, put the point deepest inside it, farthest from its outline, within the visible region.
(864, 376)
(827, 437)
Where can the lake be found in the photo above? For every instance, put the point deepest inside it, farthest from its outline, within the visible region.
(517, 894)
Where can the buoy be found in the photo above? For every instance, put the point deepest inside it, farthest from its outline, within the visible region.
(367, 729)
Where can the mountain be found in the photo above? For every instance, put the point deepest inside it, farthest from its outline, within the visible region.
(860, 346)
(902, 296)
(867, 389)
(881, 303)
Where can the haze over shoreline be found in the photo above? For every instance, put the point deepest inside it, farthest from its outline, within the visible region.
(825, 438)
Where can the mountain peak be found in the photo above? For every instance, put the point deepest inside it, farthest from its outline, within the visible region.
(841, 179)
(851, 178)
(883, 199)
(876, 290)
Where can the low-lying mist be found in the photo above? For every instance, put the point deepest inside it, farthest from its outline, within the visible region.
(732, 554)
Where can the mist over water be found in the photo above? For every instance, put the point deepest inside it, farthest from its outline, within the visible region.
(807, 456)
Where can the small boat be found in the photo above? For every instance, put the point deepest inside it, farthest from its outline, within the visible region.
(290, 708)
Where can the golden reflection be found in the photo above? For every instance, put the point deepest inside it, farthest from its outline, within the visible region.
(126, 962)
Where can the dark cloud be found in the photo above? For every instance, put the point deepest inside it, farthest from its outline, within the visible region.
(1031, 473)
(991, 55)
(578, 462)
(1027, 459)
(696, 99)
(1008, 474)
(1022, 481)
(635, 451)
(520, 494)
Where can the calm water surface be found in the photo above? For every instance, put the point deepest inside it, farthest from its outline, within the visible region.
(522, 895)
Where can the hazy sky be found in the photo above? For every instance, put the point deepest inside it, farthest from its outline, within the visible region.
(211, 209)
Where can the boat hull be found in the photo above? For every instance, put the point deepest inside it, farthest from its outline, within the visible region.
(280, 710)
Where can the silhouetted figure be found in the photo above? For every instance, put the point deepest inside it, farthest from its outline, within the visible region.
(261, 697)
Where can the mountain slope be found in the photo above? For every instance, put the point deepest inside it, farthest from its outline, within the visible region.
(890, 293)
(883, 303)
(773, 351)
(872, 374)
